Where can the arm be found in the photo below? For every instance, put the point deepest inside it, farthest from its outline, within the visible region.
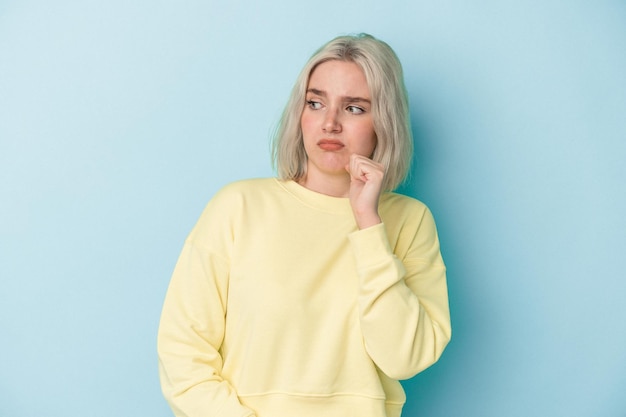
(191, 332)
(403, 306)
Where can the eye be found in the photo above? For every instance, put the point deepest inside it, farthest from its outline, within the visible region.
(355, 109)
(314, 105)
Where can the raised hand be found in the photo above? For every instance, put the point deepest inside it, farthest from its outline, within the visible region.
(366, 180)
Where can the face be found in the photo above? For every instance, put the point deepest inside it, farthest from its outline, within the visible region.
(337, 118)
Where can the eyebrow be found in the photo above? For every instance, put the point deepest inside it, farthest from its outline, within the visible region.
(348, 99)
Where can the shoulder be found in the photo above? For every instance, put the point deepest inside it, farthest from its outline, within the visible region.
(244, 189)
(402, 205)
(401, 212)
(229, 206)
(236, 197)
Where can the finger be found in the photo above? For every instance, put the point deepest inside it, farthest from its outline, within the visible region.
(364, 168)
(356, 168)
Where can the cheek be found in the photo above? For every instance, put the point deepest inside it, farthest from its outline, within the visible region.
(306, 124)
(373, 143)
(368, 137)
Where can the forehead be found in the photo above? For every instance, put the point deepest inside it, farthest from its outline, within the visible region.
(339, 77)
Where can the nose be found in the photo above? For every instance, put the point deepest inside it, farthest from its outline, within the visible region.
(331, 122)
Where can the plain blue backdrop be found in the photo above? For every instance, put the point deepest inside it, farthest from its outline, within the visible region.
(120, 119)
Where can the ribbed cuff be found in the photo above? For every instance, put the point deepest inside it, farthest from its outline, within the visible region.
(370, 246)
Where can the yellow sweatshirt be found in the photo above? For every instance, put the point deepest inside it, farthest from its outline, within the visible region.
(280, 307)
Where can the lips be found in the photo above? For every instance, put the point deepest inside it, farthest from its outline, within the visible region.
(330, 144)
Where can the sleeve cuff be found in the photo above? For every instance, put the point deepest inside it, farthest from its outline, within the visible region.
(370, 246)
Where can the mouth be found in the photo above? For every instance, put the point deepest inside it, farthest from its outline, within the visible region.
(330, 144)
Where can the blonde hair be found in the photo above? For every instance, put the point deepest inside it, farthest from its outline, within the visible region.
(390, 109)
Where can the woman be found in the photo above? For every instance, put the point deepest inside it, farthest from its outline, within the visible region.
(313, 293)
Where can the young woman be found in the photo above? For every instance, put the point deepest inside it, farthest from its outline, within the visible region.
(313, 293)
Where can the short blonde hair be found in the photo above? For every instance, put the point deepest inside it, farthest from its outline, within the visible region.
(390, 109)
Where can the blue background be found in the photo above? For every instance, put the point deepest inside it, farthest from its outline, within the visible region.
(120, 119)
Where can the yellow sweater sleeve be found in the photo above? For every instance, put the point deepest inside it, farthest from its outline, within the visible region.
(403, 304)
(192, 325)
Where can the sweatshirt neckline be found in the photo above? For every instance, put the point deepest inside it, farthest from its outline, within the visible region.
(319, 201)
